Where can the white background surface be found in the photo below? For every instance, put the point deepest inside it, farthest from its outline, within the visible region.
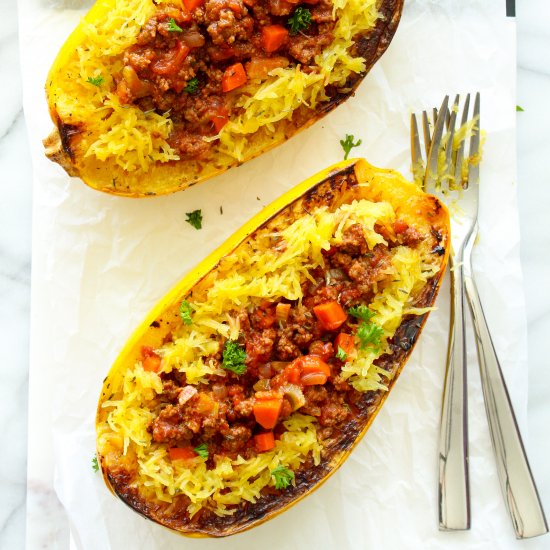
(533, 184)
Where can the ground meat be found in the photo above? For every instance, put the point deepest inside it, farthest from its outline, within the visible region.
(236, 437)
(333, 413)
(324, 350)
(229, 21)
(179, 71)
(286, 348)
(244, 408)
(353, 241)
(169, 427)
(259, 345)
(304, 48)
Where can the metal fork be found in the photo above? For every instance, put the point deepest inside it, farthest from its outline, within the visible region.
(451, 174)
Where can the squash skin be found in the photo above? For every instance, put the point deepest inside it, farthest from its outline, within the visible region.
(62, 145)
(332, 186)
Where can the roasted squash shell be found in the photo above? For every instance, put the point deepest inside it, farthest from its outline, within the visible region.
(91, 126)
(338, 185)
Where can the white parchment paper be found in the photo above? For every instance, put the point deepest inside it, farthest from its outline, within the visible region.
(100, 263)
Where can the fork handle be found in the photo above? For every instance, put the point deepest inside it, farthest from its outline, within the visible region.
(516, 480)
(454, 486)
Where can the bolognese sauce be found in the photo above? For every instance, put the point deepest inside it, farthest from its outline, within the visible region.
(190, 59)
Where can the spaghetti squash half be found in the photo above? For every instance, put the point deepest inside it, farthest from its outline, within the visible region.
(251, 381)
(151, 96)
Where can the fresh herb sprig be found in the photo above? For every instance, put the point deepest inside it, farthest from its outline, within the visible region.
(202, 450)
(185, 312)
(95, 464)
(300, 20)
(341, 354)
(173, 26)
(194, 218)
(192, 86)
(95, 80)
(347, 144)
(283, 477)
(234, 357)
(369, 335)
(361, 312)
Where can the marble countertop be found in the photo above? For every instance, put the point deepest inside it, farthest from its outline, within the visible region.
(533, 18)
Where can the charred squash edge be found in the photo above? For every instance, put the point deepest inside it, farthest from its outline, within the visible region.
(323, 187)
(59, 145)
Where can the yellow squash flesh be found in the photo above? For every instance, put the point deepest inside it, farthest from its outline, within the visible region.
(89, 119)
(337, 185)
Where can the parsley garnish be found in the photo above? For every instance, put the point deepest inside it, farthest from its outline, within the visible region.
(369, 334)
(347, 144)
(519, 109)
(173, 26)
(341, 354)
(185, 312)
(361, 312)
(300, 20)
(283, 477)
(194, 218)
(95, 465)
(96, 80)
(202, 450)
(192, 86)
(234, 357)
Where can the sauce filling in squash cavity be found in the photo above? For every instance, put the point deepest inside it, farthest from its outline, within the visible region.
(273, 357)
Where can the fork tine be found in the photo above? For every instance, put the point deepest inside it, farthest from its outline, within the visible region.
(427, 133)
(415, 141)
(460, 150)
(451, 117)
(473, 174)
(431, 162)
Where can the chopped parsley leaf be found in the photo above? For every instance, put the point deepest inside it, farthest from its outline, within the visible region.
(194, 218)
(96, 80)
(519, 109)
(369, 334)
(185, 312)
(341, 354)
(202, 450)
(361, 312)
(300, 20)
(173, 26)
(283, 477)
(192, 86)
(95, 465)
(234, 357)
(347, 144)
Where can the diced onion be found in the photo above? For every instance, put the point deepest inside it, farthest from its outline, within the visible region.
(186, 393)
(313, 379)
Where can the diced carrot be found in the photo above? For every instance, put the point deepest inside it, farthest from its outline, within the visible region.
(264, 442)
(233, 77)
(181, 453)
(192, 4)
(345, 342)
(266, 412)
(313, 363)
(292, 373)
(151, 361)
(330, 315)
(220, 119)
(172, 62)
(273, 37)
(399, 226)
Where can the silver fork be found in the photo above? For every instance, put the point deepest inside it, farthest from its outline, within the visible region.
(450, 174)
